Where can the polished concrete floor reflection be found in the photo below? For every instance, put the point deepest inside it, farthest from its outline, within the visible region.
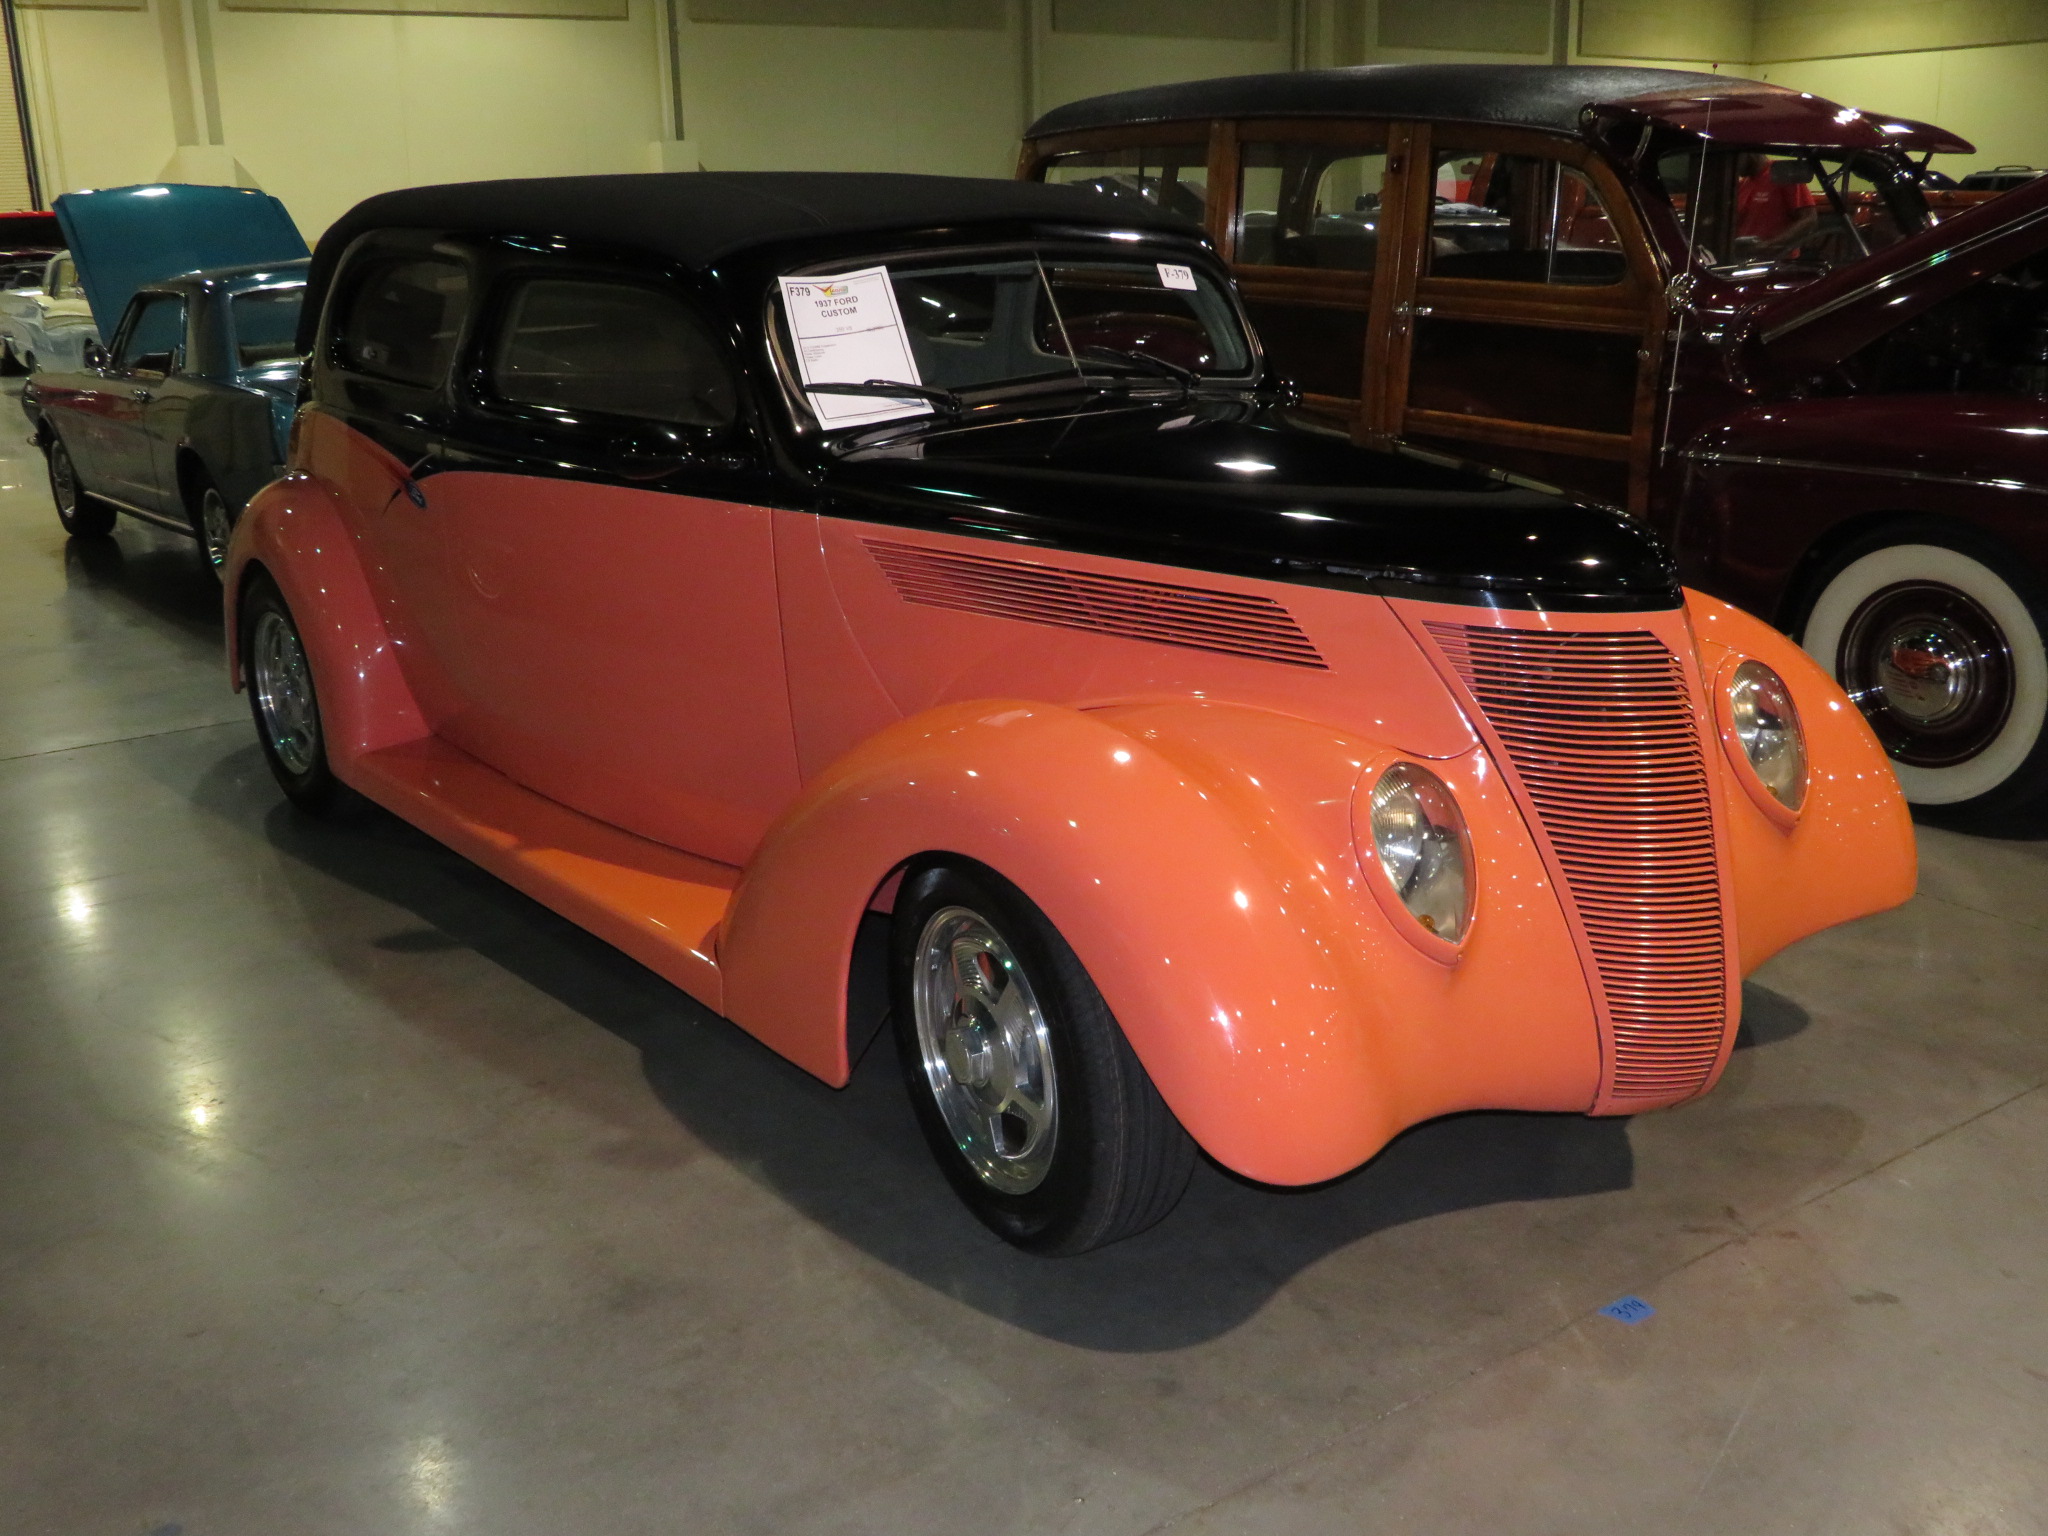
(342, 1190)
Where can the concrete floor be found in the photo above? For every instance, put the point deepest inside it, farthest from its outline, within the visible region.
(344, 1190)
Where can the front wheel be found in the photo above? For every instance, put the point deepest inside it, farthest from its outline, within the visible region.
(84, 516)
(1034, 1104)
(1944, 654)
(283, 700)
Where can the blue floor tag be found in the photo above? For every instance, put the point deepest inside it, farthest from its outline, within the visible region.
(1630, 1309)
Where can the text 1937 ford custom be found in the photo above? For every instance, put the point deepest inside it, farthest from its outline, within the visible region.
(720, 558)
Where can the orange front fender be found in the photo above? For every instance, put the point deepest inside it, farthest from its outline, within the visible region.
(293, 530)
(1850, 852)
(1199, 861)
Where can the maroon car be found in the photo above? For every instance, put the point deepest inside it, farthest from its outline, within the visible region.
(1721, 304)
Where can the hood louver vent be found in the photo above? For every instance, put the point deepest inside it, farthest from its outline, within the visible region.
(1198, 618)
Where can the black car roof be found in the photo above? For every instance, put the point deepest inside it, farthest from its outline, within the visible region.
(695, 218)
(1548, 96)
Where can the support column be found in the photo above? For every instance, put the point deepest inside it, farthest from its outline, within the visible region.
(202, 155)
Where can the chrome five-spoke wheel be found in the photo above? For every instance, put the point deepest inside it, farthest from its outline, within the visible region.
(282, 697)
(986, 1051)
(1034, 1104)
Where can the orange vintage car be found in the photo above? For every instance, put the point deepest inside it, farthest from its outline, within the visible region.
(723, 558)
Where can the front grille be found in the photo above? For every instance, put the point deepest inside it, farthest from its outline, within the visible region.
(1600, 730)
(1200, 618)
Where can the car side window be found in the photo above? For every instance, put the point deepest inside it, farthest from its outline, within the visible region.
(153, 339)
(611, 349)
(403, 318)
(1520, 219)
(1309, 205)
(1170, 176)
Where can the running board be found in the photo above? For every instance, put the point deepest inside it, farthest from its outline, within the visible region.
(658, 904)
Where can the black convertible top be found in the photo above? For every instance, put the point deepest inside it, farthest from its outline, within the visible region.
(697, 217)
(1551, 96)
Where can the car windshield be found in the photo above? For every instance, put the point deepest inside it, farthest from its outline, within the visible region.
(1003, 320)
(1753, 205)
(266, 326)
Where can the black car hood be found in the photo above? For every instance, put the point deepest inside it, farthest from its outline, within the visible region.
(1237, 488)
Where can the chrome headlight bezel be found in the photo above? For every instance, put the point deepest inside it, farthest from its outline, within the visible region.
(1416, 848)
(1763, 736)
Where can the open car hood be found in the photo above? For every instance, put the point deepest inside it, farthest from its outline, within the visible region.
(1822, 323)
(1752, 112)
(125, 238)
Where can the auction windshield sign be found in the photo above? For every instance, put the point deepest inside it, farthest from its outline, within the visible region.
(848, 330)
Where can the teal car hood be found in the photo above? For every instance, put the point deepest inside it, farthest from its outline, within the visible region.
(126, 237)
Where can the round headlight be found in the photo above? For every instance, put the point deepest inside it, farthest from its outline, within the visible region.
(1420, 839)
(1766, 724)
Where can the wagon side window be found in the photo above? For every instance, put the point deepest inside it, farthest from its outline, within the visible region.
(1520, 219)
(403, 317)
(611, 349)
(1310, 205)
(1171, 176)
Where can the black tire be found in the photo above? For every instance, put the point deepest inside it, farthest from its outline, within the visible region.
(83, 515)
(279, 678)
(1942, 640)
(1108, 1159)
(212, 519)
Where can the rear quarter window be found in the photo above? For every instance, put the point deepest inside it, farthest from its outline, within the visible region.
(583, 345)
(402, 319)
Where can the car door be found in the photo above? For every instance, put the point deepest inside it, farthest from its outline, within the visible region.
(148, 349)
(605, 602)
(1306, 244)
(400, 304)
(1527, 326)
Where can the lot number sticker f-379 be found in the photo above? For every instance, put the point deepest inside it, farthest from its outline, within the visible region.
(848, 330)
(1171, 276)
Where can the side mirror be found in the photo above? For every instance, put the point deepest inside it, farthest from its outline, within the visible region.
(95, 355)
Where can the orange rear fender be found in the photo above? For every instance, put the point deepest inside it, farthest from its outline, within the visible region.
(1199, 861)
(1850, 851)
(293, 530)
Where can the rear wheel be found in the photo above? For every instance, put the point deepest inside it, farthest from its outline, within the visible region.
(84, 516)
(213, 523)
(1034, 1104)
(1940, 644)
(283, 700)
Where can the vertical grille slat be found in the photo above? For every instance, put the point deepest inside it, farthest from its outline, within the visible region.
(1600, 730)
(1197, 618)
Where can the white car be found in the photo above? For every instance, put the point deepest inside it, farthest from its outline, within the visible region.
(46, 326)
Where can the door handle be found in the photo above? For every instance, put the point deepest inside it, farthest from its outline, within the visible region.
(140, 394)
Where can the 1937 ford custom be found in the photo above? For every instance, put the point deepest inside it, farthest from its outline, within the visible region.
(721, 558)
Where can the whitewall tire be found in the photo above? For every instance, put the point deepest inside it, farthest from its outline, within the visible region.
(1945, 657)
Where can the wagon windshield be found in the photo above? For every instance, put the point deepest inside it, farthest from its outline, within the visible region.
(1755, 205)
(970, 327)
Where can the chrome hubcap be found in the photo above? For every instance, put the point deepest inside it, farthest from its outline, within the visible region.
(284, 693)
(987, 1054)
(215, 528)
(1930, 669)
(63, 481)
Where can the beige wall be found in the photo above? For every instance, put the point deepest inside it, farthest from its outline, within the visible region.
(323, 107)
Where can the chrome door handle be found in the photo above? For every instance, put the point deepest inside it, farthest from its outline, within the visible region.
(140, 394)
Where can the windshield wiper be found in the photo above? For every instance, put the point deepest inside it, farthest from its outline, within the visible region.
(891, 389)
(1145, 362)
